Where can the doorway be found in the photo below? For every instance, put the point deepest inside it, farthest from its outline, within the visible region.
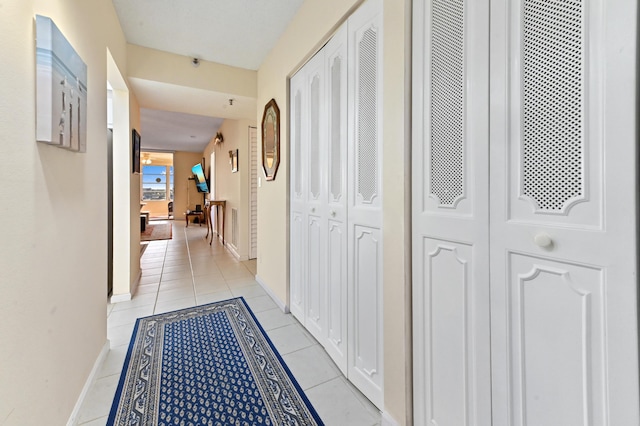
(157, 185)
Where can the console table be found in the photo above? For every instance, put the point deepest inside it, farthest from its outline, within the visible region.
(199, 215)
(217, 204)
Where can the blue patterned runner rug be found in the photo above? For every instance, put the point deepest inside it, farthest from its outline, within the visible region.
(207, 365)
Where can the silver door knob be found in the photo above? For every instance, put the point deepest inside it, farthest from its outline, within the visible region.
(333, 213)
(543, 240)
(313, 209)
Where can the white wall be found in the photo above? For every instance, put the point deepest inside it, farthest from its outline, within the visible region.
(310, 28)
(53, 219)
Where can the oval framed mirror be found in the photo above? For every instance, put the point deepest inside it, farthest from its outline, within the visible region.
(271, 139)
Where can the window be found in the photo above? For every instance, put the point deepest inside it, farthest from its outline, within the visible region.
(154, 183)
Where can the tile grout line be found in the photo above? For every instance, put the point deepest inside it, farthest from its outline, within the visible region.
(193, 279)
(164, 259)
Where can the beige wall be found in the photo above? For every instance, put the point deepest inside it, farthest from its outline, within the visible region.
(155, 65)
(309, 30)
(53, 256)
(234, 187)
(396, 216)
(182, 164)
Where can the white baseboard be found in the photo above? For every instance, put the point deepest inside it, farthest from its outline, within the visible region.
(116, 298)
(387, 420)
(234, 252)
(283, 306)
(87, 385)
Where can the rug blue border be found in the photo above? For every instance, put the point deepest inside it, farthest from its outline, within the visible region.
(295, 383)
(125, 367)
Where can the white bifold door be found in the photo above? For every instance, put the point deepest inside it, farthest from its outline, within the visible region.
(336, 199)
(524, 213)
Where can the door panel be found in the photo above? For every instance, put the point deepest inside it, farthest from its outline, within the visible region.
(315, 318)
(336, 99)
(297, 261)
(556, 341)
(451, 213)
(447, 268)
(365, 200)
(298, 229)
(316, 278)
(336, 298)
(563, 270)
(367, 296)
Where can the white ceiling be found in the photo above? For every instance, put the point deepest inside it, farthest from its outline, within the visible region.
(176, 131)
(239, 33)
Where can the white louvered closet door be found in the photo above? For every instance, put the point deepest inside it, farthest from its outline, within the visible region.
(336, 61)
(253, 201)
(365, 201)
(336, 198)
(559, 191)
(563, 217)
(298, 196)
(451, 214)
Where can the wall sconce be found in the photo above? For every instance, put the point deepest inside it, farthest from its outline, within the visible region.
(218, 139)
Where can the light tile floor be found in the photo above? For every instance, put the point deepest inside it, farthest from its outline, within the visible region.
(186, 271)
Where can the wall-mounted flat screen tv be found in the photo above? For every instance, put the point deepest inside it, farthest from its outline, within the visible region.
(201, 181)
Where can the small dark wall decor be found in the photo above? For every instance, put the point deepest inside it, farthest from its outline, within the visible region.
(135, 154)
(271, 139)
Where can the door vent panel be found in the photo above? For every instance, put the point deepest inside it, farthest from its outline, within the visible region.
(447, 102)
(367, 143)
(553, 103)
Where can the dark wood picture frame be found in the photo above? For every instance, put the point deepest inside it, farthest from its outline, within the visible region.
(135, 148)
(271, 139)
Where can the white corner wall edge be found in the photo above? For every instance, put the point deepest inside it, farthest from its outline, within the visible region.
(387, 420)
(125, 297)
(283, 306)
(87, 385)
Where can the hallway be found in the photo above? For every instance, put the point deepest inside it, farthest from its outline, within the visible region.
(185, 271)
